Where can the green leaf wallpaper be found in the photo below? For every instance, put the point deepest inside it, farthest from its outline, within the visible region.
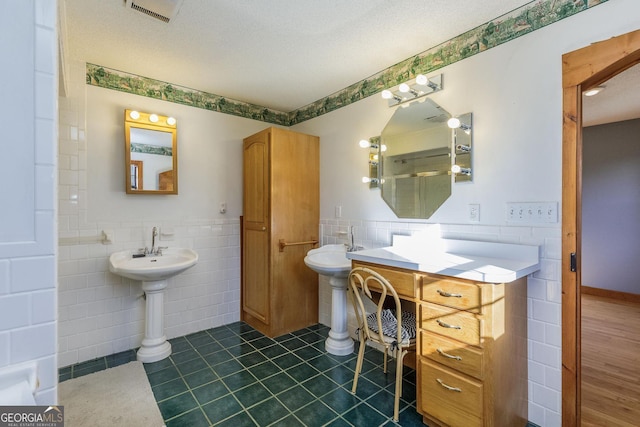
(512, 25)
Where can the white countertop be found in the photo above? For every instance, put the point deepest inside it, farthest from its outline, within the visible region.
(480, 261)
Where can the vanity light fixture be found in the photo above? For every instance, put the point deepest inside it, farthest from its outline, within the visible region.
(387, 94)
(134, 114)
(367, 144)
(171, 121)
(412, 89)
(457, 169)
(594, 91)
(153, 118)
(455, 123)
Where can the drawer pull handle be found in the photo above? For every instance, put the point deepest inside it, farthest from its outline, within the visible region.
(442, 353)
(448, 387)
(446, 325)
(448, 294)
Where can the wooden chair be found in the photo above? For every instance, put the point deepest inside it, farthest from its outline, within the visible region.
(393, 329)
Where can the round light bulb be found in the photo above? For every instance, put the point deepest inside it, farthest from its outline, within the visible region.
(404, 88)
(386, 94)
(366, 179)
(134, 115)
(364, 143)
(171, 121)
(375, 157)
(153, 118)
(421, 79)
(453, 122)
(456, 169)
(383, 148)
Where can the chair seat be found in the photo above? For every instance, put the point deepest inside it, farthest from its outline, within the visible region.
(390, 325)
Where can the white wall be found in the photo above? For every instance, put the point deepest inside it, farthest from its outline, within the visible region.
(610, 206)
(28, 111)
(514, 92)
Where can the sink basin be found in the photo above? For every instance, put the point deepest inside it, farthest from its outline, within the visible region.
(330, 260)
(152, 267)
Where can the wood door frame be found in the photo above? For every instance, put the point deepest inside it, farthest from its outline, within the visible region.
(581, 69)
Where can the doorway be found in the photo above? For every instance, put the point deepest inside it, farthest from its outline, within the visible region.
(582, 69)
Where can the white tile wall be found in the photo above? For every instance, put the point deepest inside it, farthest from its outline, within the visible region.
(543, 299)
(27, 252)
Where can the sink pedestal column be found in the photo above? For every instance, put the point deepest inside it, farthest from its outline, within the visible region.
(154, 345)
(339, 341)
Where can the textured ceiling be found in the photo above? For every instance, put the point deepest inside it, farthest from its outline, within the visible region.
(620, 100)
(282, 54)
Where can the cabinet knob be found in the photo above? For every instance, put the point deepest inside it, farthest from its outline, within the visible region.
(264, 228)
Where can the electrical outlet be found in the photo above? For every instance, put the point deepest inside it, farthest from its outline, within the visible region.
(474, 212)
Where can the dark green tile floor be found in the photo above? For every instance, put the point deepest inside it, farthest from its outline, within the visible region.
(235, 376)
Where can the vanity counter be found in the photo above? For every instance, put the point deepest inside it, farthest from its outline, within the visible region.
(479, 261)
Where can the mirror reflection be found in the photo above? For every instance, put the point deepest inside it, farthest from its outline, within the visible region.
(151, 153)
(415, 177)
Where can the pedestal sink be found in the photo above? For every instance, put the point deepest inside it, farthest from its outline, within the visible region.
(153, 271)
(331, 261)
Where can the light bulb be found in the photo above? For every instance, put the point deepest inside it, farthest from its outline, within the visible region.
(456, 169)
(386, 94)
(134, 115)
(453, 122)
(153, 118)
(366, 179)
(593, 91)
(364, 143)
(404, 88)
(383, 148)
(421, 79)
(375, 157)
(171, 121)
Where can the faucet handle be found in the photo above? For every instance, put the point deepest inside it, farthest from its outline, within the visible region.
(160, 248)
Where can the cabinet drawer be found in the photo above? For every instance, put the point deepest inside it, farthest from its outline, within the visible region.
(402, 281)
(452, 293)
(449, 397)
(453, 354)
(460, 325)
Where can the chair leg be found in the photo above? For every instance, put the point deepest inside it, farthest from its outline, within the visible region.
(363, 343)
(386, 350)
(398, 393)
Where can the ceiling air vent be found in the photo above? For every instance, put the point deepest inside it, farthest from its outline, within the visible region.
(164, 10)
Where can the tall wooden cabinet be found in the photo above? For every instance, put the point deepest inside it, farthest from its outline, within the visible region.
(281, 194)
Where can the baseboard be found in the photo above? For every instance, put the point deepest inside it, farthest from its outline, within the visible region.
(608, 293)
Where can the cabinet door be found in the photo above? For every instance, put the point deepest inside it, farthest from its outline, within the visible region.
(255, 289)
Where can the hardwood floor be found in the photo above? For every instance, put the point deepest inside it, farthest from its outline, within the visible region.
(610, 362)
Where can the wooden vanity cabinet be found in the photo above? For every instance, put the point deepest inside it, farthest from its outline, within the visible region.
(471, 350)
(281, 216)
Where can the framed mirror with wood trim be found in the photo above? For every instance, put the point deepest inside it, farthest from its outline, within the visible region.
(151, 153)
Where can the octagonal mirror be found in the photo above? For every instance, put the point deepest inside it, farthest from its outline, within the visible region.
(415, 159)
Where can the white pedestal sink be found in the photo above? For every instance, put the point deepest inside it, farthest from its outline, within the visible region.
(153, 271)
(331, 261)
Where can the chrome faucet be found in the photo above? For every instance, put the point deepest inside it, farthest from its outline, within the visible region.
(154, 233)
(351, 246)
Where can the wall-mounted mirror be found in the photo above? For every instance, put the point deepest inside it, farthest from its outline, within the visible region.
(415, 178)
(151, 153)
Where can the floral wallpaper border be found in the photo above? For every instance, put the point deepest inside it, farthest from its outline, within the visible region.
(510, 26)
